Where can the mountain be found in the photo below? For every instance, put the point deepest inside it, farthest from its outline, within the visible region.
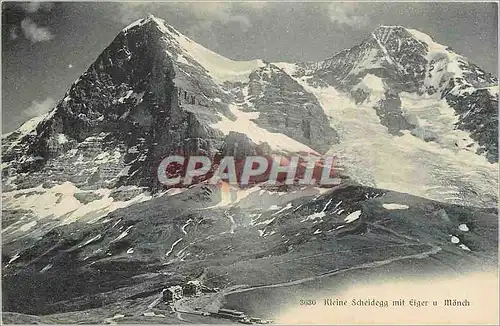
(408, 61)
(108, 130)
(89, 232)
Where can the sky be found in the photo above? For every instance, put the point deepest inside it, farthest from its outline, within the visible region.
(47, 46)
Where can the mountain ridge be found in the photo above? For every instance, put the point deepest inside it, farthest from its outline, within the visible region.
(213, 91)
(159, 22)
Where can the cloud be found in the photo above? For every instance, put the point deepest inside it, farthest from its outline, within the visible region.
(346, 14)
(35, 33)
(37, 108)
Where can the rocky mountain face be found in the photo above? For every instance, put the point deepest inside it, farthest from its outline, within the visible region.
(127, 106)
(146, 97)
(409, 61)
(150, 94)
(89, 232)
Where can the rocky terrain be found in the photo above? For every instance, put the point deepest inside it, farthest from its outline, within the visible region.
(89, 233)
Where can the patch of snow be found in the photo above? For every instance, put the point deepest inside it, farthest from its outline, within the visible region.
(72, 152)
(27, 226)
(353, 216)
(173, 246)
(384, 50)
(252, 222)
(464, 247)
(183, 228)
(124, 172)
(289, 68)
(328, 203)
(266, 222)
(395, 206)
(372, 85)
(102, 158)
(79, 159)
(62, 139)
(233, 223)
(29, 127)
(133, 150)
(288, 206)
(446, 63)
(244, 193)
(258, 135)
(139, 22)
(116, 223)
(314, 216)
(220, 68)
(59, 202)
(173, 191)
(273, 208)
(123, 234)
(46, 268)
(138, 97)
(31, 124)
(111, 320)
(97, 237)
(319, 215)
(181, 59)
(15, 257)
(152, 314)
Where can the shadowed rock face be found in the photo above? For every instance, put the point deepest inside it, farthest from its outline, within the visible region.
(285, 107)
(240, 146)
(390, 114)
(478, 113)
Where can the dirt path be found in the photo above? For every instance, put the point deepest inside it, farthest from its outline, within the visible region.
(379, 263)
(434, 250)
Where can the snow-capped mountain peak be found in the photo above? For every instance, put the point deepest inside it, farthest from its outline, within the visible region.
(142, 21)
(187, 51)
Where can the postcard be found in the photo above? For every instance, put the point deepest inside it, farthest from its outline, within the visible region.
(250, 162)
